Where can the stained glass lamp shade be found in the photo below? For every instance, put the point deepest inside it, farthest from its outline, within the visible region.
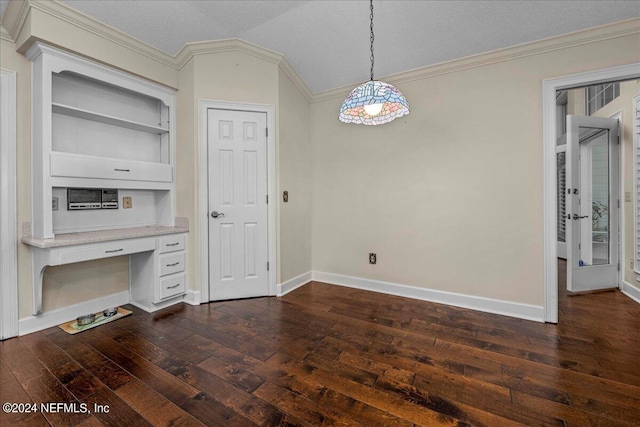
(373, 103)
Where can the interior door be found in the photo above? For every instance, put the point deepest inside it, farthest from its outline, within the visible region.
(592, 200)
(237, 156)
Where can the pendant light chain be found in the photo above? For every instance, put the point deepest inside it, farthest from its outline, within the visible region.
(371, 27)
(373, 102)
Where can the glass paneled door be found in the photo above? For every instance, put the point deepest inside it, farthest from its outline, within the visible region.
(592, 200)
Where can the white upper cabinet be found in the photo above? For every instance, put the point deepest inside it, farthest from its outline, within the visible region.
(94, 126)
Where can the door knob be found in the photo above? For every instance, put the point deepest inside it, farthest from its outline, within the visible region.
(216, 214)
(575, 216)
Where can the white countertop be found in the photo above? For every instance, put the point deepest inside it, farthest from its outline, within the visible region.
(86, 237)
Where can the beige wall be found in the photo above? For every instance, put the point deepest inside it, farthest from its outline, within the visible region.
(450, 196)
(221, 76)
(294, 176)
(624, 104)
(186, 164)
(242, 77)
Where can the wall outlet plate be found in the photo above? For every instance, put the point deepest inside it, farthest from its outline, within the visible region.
(126, 203)
(373, 258)
(54, 203)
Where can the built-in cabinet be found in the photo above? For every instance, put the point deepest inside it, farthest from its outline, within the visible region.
(95, 127)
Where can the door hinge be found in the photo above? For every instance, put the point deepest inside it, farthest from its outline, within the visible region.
(266, 132)
(267, 266)
(267, 198)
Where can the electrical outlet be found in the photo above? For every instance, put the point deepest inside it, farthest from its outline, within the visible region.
(373, 258)
(285, 196)
(54, 203)
(126, 203)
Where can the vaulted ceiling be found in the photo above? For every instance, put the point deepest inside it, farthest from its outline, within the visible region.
(327, 42)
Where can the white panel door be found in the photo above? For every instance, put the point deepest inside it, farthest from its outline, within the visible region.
(593, 205)
(237, 151)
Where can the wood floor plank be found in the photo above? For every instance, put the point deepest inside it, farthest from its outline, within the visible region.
(154, 407)
(326, 355)
(12, 392)
(175, 390)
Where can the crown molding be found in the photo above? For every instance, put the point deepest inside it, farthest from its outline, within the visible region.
(15, 14)
(564, 41)
(4, 35)
(191, 50)
(78, 19)
(295, 79)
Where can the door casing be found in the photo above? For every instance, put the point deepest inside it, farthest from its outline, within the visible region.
(549, 88)
(203, 190)
(8, 208)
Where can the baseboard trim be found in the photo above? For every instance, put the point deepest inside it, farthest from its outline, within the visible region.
(292, 284)
(631, 291)
(489, 305)
(192, 297)
(48, 319)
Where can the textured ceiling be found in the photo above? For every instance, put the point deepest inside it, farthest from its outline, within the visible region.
(327, 42)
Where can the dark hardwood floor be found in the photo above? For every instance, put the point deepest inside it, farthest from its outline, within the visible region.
(326, 355)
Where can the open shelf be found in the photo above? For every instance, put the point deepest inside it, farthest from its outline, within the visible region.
(106, 119)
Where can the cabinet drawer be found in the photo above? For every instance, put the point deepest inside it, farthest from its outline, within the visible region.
(172, 286)
(171, 263)
(105, 250)
(78, 166)
(171, 243)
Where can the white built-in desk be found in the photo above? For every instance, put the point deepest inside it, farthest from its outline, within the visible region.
(156, 259)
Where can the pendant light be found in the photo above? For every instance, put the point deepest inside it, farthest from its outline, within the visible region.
(373, 102)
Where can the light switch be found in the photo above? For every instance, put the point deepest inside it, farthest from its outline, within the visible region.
(126, 203)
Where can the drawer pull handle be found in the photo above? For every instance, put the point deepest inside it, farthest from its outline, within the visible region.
(174, 286)
(122, 170)
(173, 244)
(115, 250)
(174, 264)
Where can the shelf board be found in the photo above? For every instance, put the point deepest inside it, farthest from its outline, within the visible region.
(103, 118)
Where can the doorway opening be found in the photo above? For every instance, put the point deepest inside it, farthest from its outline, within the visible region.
(557, 208)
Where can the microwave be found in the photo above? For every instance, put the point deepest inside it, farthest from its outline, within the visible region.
(92, 198)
